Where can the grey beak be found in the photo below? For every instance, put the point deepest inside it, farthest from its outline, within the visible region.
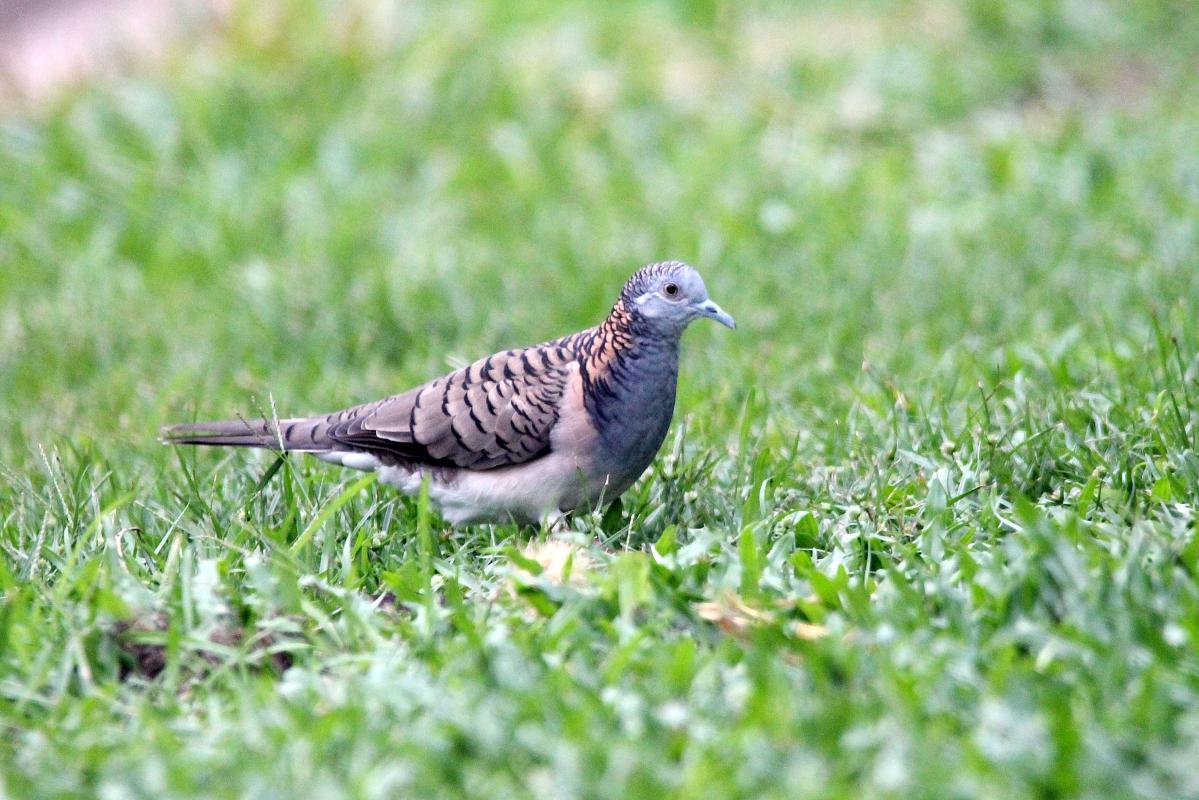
(710, 309)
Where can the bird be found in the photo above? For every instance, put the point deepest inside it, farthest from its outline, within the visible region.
(522, 436)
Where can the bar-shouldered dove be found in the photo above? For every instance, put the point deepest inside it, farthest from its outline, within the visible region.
(523, 435)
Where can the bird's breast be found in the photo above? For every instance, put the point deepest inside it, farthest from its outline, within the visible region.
(631, 404)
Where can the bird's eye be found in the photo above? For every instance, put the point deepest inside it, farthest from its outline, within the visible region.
(671, 290)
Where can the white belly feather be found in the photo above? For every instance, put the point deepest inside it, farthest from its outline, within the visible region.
(523, 493)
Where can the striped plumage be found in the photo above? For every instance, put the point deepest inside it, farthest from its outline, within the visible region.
(522, 434)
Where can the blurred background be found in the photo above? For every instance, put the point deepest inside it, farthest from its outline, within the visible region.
(343, 192)
(216, 186)
(925, 524)
(47, 44)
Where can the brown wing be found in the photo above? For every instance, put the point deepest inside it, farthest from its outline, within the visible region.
(499, 410)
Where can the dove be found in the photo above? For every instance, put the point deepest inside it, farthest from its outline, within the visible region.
(524, 435)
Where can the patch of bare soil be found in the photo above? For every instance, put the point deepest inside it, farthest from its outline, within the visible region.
(144, 652)
(48, 44)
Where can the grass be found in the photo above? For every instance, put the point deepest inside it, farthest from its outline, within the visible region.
(925, 523)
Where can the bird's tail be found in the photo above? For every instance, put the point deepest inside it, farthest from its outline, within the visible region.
(284, 434)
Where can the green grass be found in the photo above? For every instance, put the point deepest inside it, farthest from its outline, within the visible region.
(925, 523)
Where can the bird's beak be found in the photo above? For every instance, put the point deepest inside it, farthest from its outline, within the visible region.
(710, 309)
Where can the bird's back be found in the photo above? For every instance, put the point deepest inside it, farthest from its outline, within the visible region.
(498, 411)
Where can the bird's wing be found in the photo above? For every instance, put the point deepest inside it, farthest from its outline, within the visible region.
(500, 410)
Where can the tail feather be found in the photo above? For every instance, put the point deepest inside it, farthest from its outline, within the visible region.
(285, 434)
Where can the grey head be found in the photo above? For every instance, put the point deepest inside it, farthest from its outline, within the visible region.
(665, 297)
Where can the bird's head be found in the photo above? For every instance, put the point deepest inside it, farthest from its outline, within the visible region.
(668, 295)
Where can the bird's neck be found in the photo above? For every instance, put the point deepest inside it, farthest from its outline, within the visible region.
(625, 341)
(630, 372)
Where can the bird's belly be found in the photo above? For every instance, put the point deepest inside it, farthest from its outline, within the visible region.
(523, 493)
(617, 471)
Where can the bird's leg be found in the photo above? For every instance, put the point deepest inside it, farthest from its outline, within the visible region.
(554, 521)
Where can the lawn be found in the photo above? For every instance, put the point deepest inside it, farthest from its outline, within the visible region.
(924, 526)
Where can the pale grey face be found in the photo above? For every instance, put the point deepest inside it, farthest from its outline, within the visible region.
(672, 294)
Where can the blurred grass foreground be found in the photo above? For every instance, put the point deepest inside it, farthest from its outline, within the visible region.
(924, 526)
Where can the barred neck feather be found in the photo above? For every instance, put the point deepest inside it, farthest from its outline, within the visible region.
(629, 372)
